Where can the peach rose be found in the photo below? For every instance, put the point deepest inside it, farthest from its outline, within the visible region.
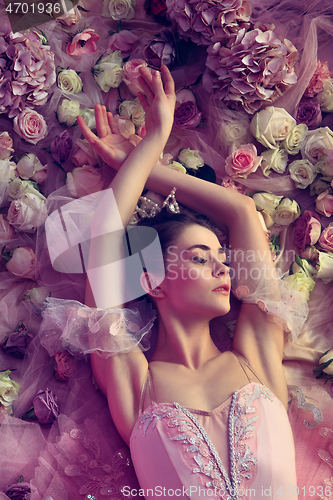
(6, 146)
(324, 204)
(7, 232)
(243, 161)
(30, 125)
(83, 181)
(326, 238)
(23, 263)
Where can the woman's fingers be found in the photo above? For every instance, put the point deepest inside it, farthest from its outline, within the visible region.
(168, 82)
(102, 124)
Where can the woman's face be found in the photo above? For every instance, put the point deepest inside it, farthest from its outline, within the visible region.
(196, 278)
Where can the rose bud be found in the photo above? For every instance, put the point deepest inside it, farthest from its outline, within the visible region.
(22, 263)
(64, 366)
(18, 491)
(44, 409)
(16, 344)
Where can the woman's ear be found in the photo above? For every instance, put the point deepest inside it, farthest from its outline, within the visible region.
(149, 284)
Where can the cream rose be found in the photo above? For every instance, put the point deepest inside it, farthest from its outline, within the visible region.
(294, 140)
(125, 126)
(68, 111)
(286, 212)
(89, 117)
(302, 172)
(316, 143)
(324, 204)
(28, 165)
(274, 159)
(17, 188)
(118, 9)
(318, 186)
(27, 213)
(108, 71)
(134, 111)
(266, 202)
(22, 263)
(325, 271)
(69, 81)
(325, 98)
(271, 126)
(6, 146)
(177, 166)
(30, 125)
(37, 296)
(8, 389)
(7, 170)
(235, 132)
(300, 282)
(190, 158)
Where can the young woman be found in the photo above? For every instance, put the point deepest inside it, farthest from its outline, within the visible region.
(228, 433)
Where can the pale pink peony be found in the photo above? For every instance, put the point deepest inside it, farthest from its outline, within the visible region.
(131, 74)
(254, 68)
(324, 204)
(7, 231)
(326, 238)
(243, 161)
(30, 125)
(6, 146)
(27, 213)
(83, 181)
(23, 263)
(320, 76)
(83, 42)
(71, 18)
(124, 41)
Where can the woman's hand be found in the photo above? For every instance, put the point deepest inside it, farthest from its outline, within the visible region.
(110, 145)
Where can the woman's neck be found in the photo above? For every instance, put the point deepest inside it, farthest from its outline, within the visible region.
(187, 342)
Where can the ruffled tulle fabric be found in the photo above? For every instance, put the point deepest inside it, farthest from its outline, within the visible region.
(85, 330)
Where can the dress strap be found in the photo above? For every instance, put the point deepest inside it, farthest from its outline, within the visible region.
(246, 367)
(147, 385)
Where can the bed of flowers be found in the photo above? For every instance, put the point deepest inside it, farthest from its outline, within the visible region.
(253, 113)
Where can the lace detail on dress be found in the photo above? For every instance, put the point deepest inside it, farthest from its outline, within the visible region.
(295, 391)
(327, 490)
(207, 462)
(102, 477)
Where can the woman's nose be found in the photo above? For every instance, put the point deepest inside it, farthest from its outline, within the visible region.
(220, 269)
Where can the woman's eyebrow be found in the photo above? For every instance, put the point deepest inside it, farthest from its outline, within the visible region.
(205, 247)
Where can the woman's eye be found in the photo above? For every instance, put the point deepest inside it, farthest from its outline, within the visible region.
(200, 260)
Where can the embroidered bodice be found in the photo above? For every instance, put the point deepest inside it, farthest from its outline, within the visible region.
(242, 449)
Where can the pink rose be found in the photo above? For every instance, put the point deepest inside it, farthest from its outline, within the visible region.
(23, 263)
(324, 204)
(6, 146)
(310, 253)
(7, 232)
(320, 76)
(83, 181)
(307, 229)
(30, 125)
(131, 74)
(123, 41)
(84, 154)
(83, 43)
(187, 116)
(64, 366)
(243, 161)
(27, 212)
(326, 238)
(71, 18)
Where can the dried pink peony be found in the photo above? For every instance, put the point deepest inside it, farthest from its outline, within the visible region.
(252, 68)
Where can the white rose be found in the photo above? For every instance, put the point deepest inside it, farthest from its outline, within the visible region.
(299, 282)
(302, 172)
(37, 297)
(108, 71)
(177, 166)
(303, 266)
(287, 211)
(8, 389)
(271, 126)
(316, 143)
(267, 202)
(191, 158)
(68, 111)
(294, 140)
(134, 111)
(325, 271)
(234, 133)
(27, 213)
(17, 188)
(325, 98)
(89, 117)
(118, 9)
(69, 81)
(274, 159)
(125, 126)
(7, 170)
(28, 165)
(325, 167)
